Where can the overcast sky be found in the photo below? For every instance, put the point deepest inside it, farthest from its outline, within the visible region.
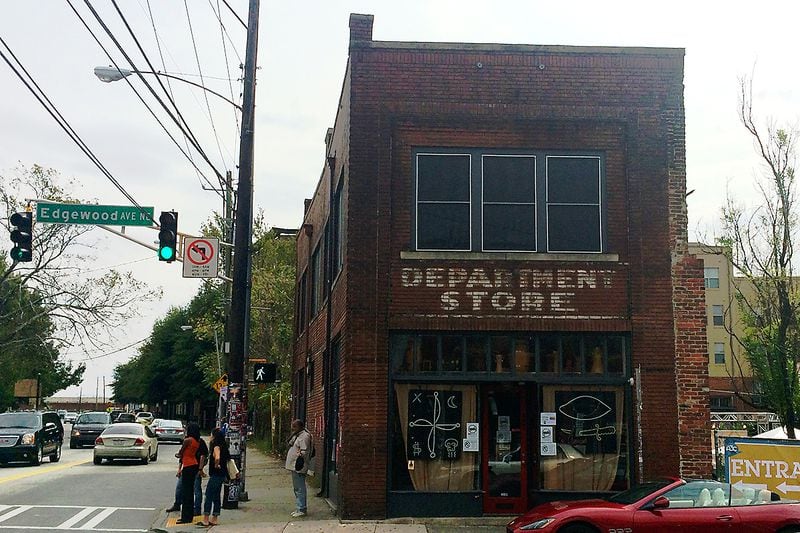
(302, 57)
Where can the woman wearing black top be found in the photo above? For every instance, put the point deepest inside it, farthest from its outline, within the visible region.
(217, 472)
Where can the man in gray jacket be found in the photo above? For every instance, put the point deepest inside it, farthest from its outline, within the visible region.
(297, 461)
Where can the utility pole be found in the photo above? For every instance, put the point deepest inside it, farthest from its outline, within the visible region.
(239, 329)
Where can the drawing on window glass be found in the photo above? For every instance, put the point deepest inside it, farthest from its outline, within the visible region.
(434, 422)
(583, 410)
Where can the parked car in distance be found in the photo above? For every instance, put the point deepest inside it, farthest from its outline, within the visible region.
(70, 417)
(144, 417)
(125, 440)
(115, 413)
(668, 505)
(87, 428)
(61, 413)
(29, 436)
(125, 418)
(169, 430)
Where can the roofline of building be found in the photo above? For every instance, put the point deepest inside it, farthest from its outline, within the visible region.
(520, 48)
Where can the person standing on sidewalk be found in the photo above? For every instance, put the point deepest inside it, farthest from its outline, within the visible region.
(202, 460)
(217, 473)
(297, 459)
(187, 470)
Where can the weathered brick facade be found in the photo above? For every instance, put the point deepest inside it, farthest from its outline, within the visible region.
(623, 103)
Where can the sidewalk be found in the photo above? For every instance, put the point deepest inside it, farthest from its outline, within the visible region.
(269, 487)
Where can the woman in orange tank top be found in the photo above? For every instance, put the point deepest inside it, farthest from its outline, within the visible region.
(187, 471)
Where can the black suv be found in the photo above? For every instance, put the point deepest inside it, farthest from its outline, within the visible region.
(87, 428)
(29, 436)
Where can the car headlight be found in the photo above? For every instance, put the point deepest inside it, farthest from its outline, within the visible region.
(29, 438)
(539, 524)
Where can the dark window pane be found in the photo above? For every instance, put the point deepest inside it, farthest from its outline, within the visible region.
(593, 356)
(548, 353)
(452, 349)
(443, 226)
(524, 350)
(616, 355)
(443, 177)
(428, 354)
(509, 179)
(509, 227)
(501, 354)
(476, 354)
(571, 354)
(573, 228)
(573, 180)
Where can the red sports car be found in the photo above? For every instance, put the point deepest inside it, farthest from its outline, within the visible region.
(670, 505)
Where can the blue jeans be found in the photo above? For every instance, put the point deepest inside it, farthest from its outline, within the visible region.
(213, 490)
(299, 484)
(198, 494)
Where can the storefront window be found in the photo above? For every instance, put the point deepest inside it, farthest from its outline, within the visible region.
(428, 353)
(548, 353)
(590, 445)
(428, 453)
(452, 353)
(571, 354)
(616, 355)
(501, 354)
(403, 353)
(524, 355)
(594, 354)
(476, 354)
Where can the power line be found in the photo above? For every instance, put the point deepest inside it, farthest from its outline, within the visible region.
(136, 92)
(131, 345)
(223, 32)
(190, 134)
(64, 123)
(234, 13)
(202, 81)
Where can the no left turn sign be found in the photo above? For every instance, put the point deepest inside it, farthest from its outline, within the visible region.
(200, 257)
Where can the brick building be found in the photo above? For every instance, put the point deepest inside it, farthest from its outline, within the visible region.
(495, 250)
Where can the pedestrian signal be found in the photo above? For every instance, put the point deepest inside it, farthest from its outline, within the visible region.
(22, 237)
(168, 236)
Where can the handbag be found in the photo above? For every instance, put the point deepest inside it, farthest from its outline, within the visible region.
(299, 463)
(233, 471)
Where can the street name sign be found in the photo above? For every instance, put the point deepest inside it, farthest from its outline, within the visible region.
(106, 215)
(771, 464)
(200, 257)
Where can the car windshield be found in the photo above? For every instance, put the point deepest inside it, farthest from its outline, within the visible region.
(92, 418)
(634, 494)
(170, 424)
(144, 414)
(18, 420)
(123, 430)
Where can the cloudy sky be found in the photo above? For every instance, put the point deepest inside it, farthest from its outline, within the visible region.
(302, 56)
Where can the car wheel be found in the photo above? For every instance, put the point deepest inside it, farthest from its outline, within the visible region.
(97, 460)
(56, 457)
(155, 456)
(39, 457)
(146, 459)
(72, 445)
(578, 528)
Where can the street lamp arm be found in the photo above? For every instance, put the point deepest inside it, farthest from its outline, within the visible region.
(109, 74)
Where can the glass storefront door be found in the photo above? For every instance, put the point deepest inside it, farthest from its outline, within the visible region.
(505, 449)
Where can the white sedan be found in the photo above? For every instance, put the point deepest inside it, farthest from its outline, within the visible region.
(126, 441)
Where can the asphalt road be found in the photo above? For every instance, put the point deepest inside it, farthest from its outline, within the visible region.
(76, 495)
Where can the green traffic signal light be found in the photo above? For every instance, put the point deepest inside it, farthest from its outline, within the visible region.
(22, 237)
(168, 236)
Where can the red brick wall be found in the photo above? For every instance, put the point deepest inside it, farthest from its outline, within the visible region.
(624, 102)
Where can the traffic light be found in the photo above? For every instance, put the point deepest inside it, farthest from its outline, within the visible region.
(168, 236)
(22, 236)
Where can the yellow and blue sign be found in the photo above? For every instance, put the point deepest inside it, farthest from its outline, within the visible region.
(771, 464)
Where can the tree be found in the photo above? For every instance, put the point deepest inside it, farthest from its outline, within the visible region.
(761, 243)
(85, 308)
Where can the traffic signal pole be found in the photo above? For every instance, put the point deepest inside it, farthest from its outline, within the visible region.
(239, 322)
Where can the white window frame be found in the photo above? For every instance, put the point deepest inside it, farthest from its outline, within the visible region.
(535, 203)
(714, 315)
(418, 202)
(707, 278)
(599, 203)
(719, 349)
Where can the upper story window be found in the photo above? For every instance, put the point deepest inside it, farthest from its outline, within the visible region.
(711, 276)
(488, 201)
(717, 315)
(719, 353)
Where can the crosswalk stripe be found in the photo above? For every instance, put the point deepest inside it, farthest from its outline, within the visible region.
(76, 518)
(102, 515)
(11, 514)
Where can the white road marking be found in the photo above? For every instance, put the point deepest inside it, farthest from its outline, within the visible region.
(77, 518)
(70, 524)
(94, 522)
(11, 514)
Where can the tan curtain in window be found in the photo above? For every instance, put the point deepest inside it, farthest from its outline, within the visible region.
(441, 475)
(571, 469)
